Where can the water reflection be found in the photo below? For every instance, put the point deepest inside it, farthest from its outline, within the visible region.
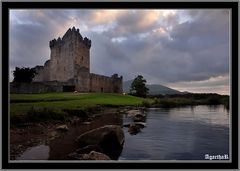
(40, 152)
(186, 133)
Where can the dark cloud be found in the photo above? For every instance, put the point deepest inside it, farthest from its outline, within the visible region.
(165, 47)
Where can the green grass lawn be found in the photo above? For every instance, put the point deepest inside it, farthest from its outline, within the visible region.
(20, 104)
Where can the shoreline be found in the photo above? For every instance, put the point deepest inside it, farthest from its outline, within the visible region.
(44, 132)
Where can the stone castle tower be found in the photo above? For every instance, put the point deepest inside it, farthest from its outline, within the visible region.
(69, 65)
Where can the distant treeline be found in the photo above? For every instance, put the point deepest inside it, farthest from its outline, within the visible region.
(190, 99)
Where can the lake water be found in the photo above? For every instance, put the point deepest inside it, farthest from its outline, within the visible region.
(186, 133)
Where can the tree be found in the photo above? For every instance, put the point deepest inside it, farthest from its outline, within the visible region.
(23, 74)
(138, 87)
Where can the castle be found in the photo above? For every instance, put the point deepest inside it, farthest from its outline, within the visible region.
(69, 67)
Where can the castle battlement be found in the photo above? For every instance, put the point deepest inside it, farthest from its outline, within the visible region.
(70, 34)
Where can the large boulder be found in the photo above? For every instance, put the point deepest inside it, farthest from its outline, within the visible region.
(93, 155)
(109, 138)
(88, 149)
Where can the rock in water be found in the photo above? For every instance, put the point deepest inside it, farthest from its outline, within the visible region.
(139, 118)
(126, 125)
(140, 124)
(110, 138)
(132, 113)
(134, 129)
(62, 128)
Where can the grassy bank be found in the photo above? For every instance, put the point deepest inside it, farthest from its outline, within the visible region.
(59, 106)
(191, 100)
(50, 106)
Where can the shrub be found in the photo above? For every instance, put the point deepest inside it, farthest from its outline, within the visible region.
(156, 101)
(167, 103)
(17, 119)
(146, 103)
(23, 74)
(76, 112)
(213, 100)
(45, 114)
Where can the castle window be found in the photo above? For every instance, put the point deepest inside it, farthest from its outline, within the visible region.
(82, 58)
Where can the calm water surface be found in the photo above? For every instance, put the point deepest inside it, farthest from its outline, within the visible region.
(186, 133)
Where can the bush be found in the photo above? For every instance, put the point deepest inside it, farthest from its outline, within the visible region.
(76, 112)
(17, 119)
(45, 114)
(23, 74)
(156, 101)
(175, 102)
(213, 101)
(146, 103)
(167, 103)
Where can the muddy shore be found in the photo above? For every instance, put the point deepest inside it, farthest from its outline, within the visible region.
(60, 141)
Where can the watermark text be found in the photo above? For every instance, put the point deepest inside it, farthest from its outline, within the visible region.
(216, 157)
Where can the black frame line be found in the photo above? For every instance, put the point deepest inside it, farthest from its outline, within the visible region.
(120, 5)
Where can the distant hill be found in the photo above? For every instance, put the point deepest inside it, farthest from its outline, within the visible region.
(154, 89)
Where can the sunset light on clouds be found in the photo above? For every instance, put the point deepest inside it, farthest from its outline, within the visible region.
(184, 49)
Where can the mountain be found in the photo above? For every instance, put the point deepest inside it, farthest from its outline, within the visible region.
(160, 89)
(154, 89)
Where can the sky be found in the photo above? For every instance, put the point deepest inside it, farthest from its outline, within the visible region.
(187, 50)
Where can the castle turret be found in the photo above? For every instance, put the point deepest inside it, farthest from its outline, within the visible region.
(69, 57)
(71, 33)
(70, 63)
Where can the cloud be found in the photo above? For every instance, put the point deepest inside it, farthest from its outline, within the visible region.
(105, 16)
(219, 84)
(165, 46)
(142, 21)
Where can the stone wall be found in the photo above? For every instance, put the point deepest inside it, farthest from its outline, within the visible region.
(43, 72)
(35, 87)
(81, 61)
(82, 79)
(61, 68)
(117, 83)
(100, 83)
(38, 87)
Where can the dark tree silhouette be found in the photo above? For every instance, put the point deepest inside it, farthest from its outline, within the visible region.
(138, 87)
(23, 74)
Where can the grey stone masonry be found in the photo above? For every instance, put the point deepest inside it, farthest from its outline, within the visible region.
(70, 62)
